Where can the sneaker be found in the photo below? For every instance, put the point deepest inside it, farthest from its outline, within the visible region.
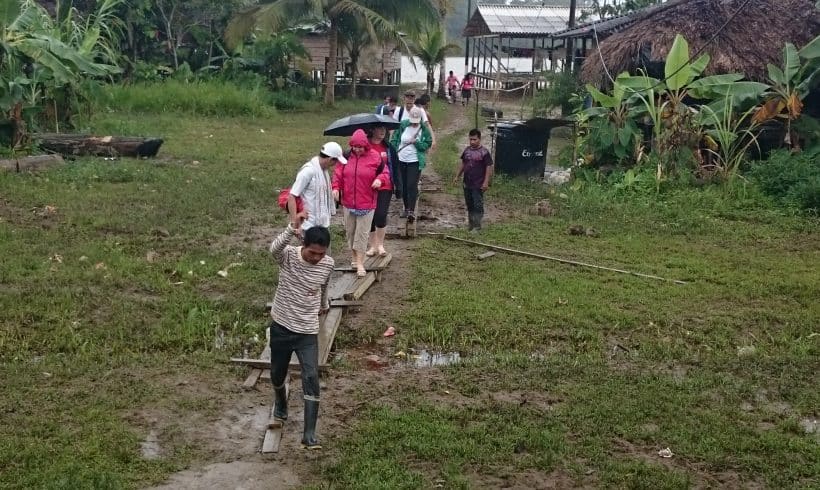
(411, 216)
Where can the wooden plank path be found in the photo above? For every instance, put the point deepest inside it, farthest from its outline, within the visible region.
(345, 290)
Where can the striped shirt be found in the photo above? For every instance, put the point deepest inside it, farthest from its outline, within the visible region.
(302, 289)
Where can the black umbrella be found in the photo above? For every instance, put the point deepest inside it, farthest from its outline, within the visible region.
(348, 124)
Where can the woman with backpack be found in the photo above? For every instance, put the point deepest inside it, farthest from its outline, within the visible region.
(412, 140)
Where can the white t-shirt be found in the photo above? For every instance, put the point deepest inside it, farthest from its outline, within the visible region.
(401, 113)
(407, 150)
(313, 186)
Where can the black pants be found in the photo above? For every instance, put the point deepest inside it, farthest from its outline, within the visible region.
(382, 206)
(410, 174)
(283, 343)
(474, 199)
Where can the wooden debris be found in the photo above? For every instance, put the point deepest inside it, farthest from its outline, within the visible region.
(556, 259)
(255, 363)
(108, 146)
(362, 285)
(273, 435)
(250, 382)
(485, 255)
(28, 164)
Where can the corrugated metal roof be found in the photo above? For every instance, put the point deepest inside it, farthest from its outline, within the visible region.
(517, 20)
(614, 24)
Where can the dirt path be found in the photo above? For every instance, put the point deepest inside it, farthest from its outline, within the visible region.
(234, 436)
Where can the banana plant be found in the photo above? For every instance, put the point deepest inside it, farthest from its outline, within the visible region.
(610, 125)
(790, 85)
(35, 63)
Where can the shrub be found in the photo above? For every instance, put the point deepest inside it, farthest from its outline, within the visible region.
(792, 179)
(561, 93)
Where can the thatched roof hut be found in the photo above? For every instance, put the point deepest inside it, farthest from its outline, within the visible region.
(752, 39)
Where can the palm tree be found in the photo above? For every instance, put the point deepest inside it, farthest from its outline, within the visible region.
(379, 17)
(443, 7)
(355, 37)
(430, 48)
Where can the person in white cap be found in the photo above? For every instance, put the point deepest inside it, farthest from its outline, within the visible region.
(312, 185)
(412, 140)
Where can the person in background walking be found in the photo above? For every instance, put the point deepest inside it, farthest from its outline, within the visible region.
(477, 168)
(423, 101)
(312, 185)
(452, 86)
(356, 184)
(387, 108)
(412, 140)
(389, 157)
(301, 296)
(467, 88)
(402, 113)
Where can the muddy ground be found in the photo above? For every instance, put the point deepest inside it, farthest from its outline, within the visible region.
(234, 436)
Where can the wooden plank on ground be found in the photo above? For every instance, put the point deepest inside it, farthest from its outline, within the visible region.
(339, 303)
(485, 255)
(273, 434)
(252, 378)
(265, 376)
(361, 286)
(339, 285)
(254, 363)
(348, 268)
(328, 332)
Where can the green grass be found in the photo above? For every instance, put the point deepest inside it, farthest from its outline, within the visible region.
(94, 335)
(720, 369)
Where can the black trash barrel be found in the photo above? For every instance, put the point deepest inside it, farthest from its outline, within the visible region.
(521, 146)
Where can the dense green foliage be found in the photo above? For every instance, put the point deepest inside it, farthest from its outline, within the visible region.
(794, 180)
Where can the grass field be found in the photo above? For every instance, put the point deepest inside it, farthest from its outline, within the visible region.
(110, 297)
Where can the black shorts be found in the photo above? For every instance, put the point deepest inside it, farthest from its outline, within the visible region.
(465, 93)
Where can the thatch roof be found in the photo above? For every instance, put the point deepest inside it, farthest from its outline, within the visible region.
(755, 37)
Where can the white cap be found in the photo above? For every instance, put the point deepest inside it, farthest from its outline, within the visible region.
(415, 115)
(333, 150)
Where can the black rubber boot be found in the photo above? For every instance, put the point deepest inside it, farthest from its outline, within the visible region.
(309, 440)
(280, 407)
(474, 223)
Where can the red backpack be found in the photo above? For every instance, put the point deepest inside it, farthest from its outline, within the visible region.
(284, 194)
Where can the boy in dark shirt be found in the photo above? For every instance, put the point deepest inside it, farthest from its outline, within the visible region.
(477, 168)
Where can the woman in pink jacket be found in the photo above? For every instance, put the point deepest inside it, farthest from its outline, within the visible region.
(356, 184)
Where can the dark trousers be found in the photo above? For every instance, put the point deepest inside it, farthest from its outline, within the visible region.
(283, 343)
(474, 199)
(382, 206)
(410, 174)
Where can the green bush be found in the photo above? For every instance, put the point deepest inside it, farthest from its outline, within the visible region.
(793, 180)
(206, 98)
(562, 93)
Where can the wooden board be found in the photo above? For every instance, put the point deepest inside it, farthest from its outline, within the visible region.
(485, 255)
(273, 435)
(339, 285)
(252, 378)
(348, 268)
(327, 332)
(37, 162)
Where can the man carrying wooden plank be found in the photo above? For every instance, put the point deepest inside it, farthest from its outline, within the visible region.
(301, 296)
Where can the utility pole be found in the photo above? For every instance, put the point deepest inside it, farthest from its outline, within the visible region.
(568, 41)
(467, 41)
